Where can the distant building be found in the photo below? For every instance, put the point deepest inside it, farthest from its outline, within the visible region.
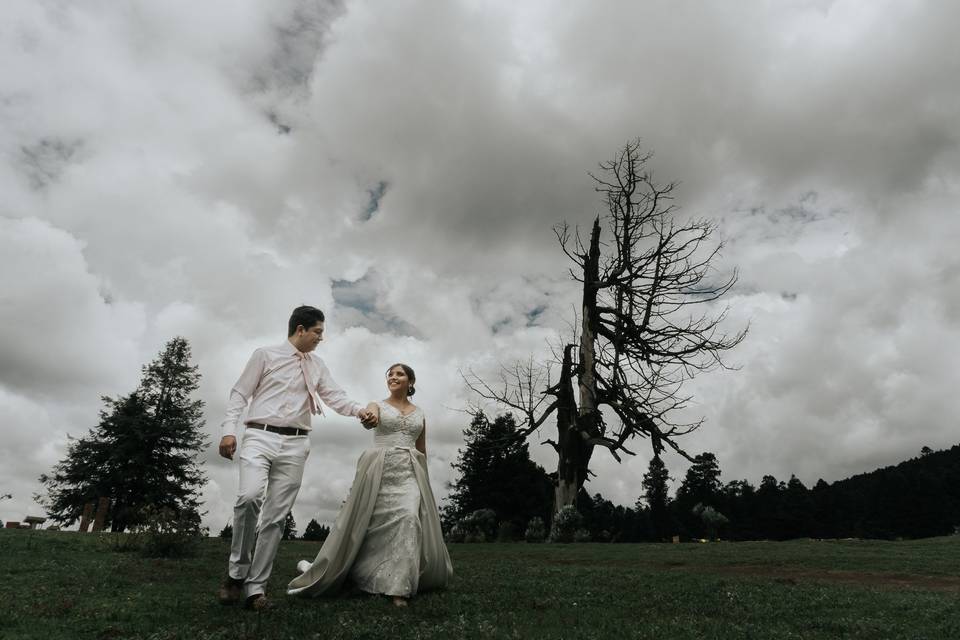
(32, 522)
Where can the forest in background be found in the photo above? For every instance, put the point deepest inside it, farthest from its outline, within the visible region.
(499, 491)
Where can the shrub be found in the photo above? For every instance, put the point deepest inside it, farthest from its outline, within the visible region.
(536, 531)
(479, 526)
(565, 523)
(474, 536)
(581, 535)
(507, 532)
(165, 533)
(712, 519)
(121, 542)
(455, 534)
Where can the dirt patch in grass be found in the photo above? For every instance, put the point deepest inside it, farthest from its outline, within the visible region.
(783, 575)
(788, 575)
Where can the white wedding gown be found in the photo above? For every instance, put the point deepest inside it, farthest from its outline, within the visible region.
(387, 536)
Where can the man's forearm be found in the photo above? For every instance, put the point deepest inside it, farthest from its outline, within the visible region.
(235, 406)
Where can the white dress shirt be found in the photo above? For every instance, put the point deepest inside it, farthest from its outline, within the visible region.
(274, 386)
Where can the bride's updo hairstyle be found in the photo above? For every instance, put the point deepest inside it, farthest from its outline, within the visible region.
(410, 376)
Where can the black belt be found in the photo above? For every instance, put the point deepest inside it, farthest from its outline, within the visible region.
(284, 431)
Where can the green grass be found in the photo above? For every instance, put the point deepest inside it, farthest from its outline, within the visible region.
(70, 585)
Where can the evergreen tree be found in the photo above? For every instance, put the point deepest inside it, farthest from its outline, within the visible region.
(607, 522)
(769, 509)
(78, 479)
(315, 531)
(824, 518)
(143, 451)
(798, 510)
(289, 528)
(495, 472)
(701, 486)
(227, 531)
(657, 499)
(738, 503)
(702, 482)
(932, 510)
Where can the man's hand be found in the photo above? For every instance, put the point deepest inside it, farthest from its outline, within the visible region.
(370, 416)
(228, 446)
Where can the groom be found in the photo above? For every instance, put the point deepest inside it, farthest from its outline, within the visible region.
(283, 385)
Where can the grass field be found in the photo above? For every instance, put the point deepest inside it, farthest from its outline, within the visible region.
(68, 585)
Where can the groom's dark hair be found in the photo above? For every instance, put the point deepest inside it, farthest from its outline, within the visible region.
(303, 316)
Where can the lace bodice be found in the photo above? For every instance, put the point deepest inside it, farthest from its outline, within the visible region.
(396, 429)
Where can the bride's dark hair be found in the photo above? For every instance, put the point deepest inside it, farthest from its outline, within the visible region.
(410, 375)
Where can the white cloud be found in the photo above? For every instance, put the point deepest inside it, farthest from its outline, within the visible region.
(55, 319)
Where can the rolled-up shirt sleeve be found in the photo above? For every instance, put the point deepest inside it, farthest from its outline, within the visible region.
(242, 392)
(333, 396)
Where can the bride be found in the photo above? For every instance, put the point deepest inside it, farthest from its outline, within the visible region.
(387, 536)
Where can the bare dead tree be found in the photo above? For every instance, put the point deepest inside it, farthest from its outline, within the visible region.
(645, 328)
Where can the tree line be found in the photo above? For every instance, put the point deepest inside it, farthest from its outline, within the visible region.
(315, 532)
(142, 456)
(499, 483)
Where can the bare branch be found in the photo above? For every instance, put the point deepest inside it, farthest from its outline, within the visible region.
(647, 324)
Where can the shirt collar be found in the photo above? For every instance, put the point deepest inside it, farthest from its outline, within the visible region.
(291, 350)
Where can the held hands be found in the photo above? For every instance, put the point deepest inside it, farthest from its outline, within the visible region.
(368, 419)
(228, 446)
(370, 416)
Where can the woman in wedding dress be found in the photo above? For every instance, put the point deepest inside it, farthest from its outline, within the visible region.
(387, 536)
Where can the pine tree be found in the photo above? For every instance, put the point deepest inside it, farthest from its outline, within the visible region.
(657, 499)
(798, 510)
(289, 528)
(702, 482)
(78, 479)
(316, 532)
(738, 502)
(701, 486)
(143, 452)
(769, 505)
(496, 473)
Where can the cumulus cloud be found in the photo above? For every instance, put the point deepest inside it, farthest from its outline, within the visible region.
(57, 321)
(174, 169)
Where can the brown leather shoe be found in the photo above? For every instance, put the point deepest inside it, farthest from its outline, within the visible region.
(258, 602)
(231, 591)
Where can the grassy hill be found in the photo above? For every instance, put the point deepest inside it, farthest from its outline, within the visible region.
(70, 585)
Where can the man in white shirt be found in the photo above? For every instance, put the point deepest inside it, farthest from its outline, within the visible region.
(283, 385)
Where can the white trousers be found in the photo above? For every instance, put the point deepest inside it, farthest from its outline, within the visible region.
(271, 468)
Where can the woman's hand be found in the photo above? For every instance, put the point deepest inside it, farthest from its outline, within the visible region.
(370, 416)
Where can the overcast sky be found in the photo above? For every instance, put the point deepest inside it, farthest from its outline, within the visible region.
(199, 169)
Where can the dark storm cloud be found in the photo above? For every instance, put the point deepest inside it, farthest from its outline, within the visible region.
(361, 303)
